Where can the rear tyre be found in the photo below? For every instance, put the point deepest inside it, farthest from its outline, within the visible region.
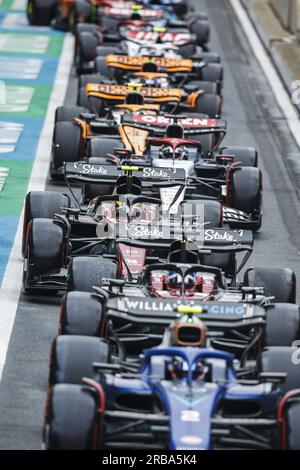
(210, 105)
(66, 147)
(83, 12)
(279, 283)
(280, 359)
(103, 51)
(101, 66)
(92, 103)
(283, 324)
(212, 73)
(247, 156)
(68, 113)
(81, 314)
(82, 99)
(86, 272)
(90, 78)
(201, 30)
(41, 205)
(90, 191)
(211, 213)
(72, 418)
(87, 43)
(209, 88)
(40, 12)
(72, 358)
(292, 419)
(100, 147)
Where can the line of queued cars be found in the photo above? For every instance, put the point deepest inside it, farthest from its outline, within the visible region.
(162, 343)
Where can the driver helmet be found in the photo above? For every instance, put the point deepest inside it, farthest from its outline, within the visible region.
(179, 369)
(150, 66)
(134, 98)
(174, 282)
(188, 330)
(167, 152)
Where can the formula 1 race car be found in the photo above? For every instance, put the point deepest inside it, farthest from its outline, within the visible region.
(76, 127)
(100, 98)
(155, 42)
(179, 398)
(63, 14)
(133, 312)
(231, 323)
(231, 177)
(72, 231)
(155, 72)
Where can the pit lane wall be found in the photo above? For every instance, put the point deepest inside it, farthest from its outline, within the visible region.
(29, 59)
(288, 11)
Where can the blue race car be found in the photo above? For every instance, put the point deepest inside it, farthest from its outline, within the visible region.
(180, 398)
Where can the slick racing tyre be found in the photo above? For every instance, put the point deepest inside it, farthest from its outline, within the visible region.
(81, 314)
(90, 78)
(85, 272)
(282, 325)
(87, 43)
(100, 147)
(86, 28)
(44, 251)
(211, 105)
(212, 73)
(72, 418)
(246, 156)
(207, 57)
(279, 283)
(101, 67)
(68, 113)
(66, 147)
(103, 51)
(41, 205)
(245, 193)
(72, 358)
(201, 30)
(280, 359)
(209, 88)
(292, 425)
(83, 12)
(205, 212)
(207, 141)
(93, 104)
(40, 12)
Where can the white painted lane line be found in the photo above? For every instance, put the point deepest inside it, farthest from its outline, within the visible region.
(12, 281)
(282, 97)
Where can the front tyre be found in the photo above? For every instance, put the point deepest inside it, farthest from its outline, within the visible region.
(40, 12)
(72, 418)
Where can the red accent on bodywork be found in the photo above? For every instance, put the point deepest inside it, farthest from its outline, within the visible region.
(280, 414)
(174, 143)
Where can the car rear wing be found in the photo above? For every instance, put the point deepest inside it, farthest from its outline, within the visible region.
(156, 124)
(84, 172)
(161, 312)
(135, 64)
(216, 240)
(119, 93)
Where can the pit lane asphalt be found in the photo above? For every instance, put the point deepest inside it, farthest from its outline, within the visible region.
(253, 119)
